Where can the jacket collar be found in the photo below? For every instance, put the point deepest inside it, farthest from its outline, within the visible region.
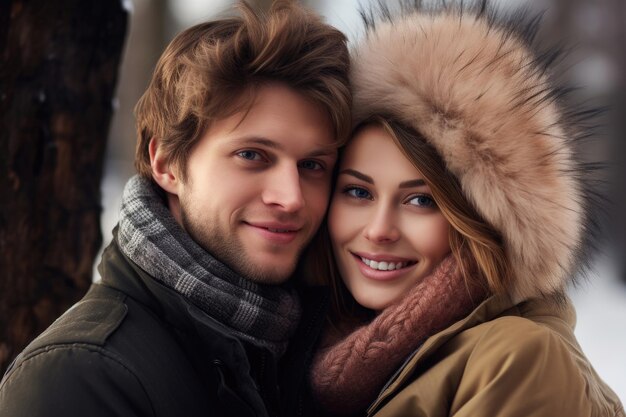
(489, 309)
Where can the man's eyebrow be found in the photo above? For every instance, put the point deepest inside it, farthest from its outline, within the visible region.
(328, 150)
(259, 140)
(412, 183)
(358, 175)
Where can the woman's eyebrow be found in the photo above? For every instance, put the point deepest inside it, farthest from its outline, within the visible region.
(406, 184)
(412, 183)
(358, 175)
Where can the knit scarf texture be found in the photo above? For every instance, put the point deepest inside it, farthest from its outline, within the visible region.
(347, 376)
(264, 315)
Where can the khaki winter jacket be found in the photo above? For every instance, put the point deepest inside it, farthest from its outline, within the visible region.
(502, 360)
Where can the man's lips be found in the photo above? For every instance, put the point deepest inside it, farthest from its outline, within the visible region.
(277, 227)
(276, 232)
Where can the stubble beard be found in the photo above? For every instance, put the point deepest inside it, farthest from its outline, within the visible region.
(228, 249)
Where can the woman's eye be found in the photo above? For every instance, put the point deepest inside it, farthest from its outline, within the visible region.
(422, 201)
(311, 165)
(357, 192)
(250, 155)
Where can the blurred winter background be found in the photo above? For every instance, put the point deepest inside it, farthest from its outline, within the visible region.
(597, 28)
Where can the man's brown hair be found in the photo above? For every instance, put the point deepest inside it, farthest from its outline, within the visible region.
(210, 71)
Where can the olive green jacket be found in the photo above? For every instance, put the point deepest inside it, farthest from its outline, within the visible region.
(133, 347)
(502, 360)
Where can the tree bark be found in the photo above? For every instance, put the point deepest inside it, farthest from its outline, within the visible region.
(58, 68)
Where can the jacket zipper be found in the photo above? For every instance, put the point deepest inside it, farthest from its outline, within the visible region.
(319, 310)
(262, 385)
(393, 378)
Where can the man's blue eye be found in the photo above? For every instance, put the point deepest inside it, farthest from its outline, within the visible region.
(250, 155)
(358, 192)
(422, 201)
(312, 165)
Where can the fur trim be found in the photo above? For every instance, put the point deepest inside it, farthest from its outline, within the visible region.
(476, 92)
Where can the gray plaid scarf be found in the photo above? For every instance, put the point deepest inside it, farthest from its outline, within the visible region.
(265, 315)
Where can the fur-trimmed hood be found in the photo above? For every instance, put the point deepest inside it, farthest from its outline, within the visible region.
(473, 88)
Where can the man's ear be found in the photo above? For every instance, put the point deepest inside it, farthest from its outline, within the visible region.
(163, 172)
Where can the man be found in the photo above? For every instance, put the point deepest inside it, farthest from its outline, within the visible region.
(238, 133)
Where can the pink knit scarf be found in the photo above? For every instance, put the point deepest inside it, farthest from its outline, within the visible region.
(347, 376)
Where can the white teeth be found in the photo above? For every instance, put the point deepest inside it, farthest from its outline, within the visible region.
(383, 265)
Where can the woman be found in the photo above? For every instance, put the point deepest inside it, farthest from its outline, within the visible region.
(459, 214)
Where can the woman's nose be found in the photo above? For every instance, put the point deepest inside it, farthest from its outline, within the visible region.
(382, 227)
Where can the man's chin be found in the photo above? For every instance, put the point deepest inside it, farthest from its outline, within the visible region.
(259, 267)
(272, 276)
(264, 271)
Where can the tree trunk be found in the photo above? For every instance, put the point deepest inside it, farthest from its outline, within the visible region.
(58, 67)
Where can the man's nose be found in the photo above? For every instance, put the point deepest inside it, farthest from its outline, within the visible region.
(283, 189)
